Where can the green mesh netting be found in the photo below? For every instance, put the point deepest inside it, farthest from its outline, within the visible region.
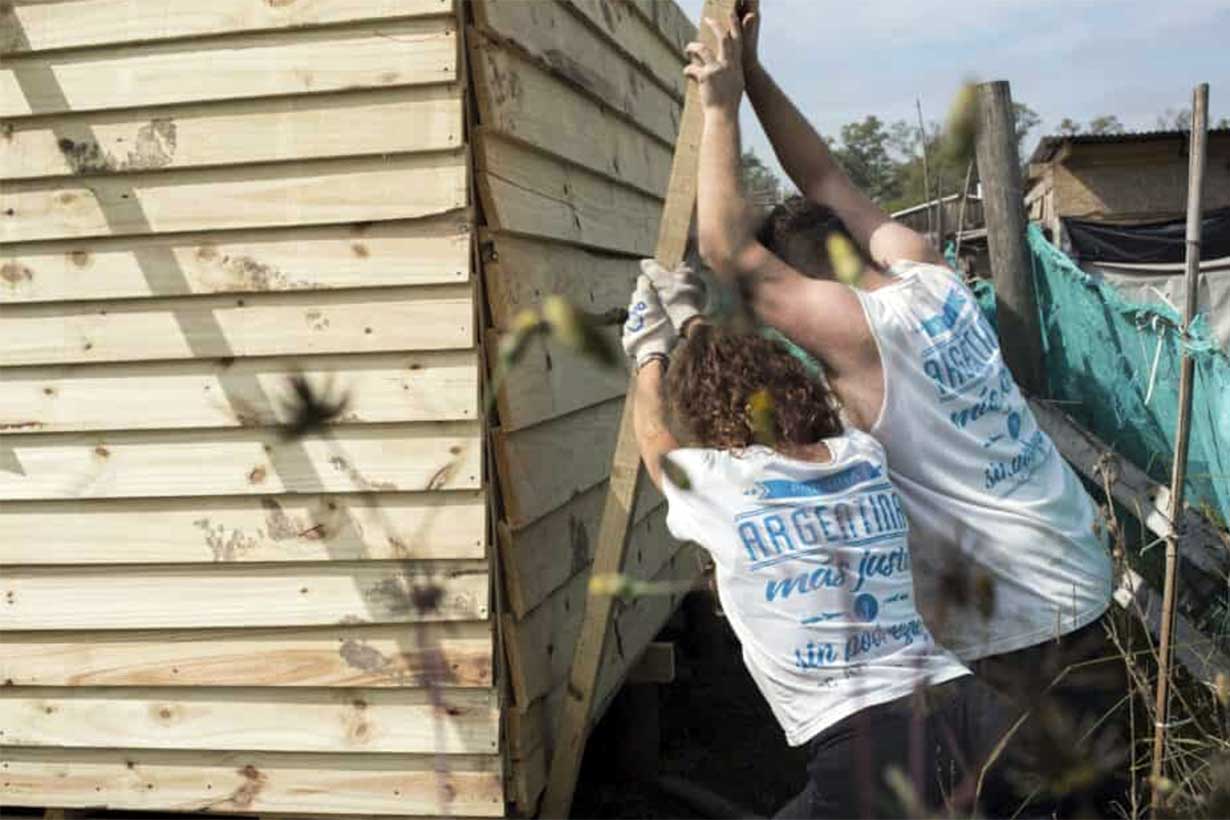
(1115, 363)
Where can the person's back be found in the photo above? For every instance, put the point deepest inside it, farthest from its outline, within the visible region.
(813, 571)
(810, 542)
(992, 505)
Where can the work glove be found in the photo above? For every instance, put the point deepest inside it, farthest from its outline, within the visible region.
(648, 333)
(681, 291)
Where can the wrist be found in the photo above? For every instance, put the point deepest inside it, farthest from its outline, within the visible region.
(722, 111)
(645, 364)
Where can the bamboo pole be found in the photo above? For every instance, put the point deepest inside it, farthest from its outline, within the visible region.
(922, 133)
(969, 173)
(1195, 189)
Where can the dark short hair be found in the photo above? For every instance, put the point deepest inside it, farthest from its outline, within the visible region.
(716, 371)
(798, 216)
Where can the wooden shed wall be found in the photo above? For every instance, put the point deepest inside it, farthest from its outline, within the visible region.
(201, 201)
(1136, 181)
(579, 103)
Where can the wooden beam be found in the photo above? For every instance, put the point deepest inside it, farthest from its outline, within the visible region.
(382, 656)
(657, 665)
(625, 471)
(26, 27)
(428, 251)
(1198, 653)
(422, 52)
(999, 168)
(1203, 544)
(247, 782)
(465, 721)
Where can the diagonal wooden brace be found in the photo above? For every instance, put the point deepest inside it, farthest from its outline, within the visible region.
(625, 469)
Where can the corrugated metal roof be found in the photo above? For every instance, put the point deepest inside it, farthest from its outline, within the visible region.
(1049, 146)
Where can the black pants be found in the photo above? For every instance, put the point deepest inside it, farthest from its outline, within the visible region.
(913, 756)
(1072, 745)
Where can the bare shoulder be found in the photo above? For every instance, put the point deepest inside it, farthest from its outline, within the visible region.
(892, 242)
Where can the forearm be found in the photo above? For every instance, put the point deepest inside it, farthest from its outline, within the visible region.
(653, 436)
(801, 151)
(722, 215)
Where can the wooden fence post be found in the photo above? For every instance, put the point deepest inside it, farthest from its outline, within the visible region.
(999, 169)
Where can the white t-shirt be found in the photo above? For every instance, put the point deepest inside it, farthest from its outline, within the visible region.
(993, 507)
(813, 572)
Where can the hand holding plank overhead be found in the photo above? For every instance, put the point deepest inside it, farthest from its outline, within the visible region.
(648, 332)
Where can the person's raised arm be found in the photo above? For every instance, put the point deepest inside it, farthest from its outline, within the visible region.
(648, 339)
(806, 159)
(822, 316)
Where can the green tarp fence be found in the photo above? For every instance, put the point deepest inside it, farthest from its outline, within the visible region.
(1114, 365)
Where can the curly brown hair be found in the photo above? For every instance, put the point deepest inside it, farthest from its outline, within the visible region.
(730, 390)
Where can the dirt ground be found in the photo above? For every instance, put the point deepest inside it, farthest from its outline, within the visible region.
(716, 732)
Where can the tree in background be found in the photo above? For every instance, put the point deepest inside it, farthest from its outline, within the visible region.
(1068, 127)
(1106, 124)
(763, 187)
(865, 155)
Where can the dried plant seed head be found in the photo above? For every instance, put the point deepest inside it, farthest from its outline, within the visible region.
(962, 125)
(525, 325)
(578, 331)
(615, 584)
(843, 256)
(674, 473)
(984, 594)
(762, 418)
(309, 409)
(427, 598)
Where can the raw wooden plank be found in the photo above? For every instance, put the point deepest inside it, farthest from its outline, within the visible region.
(656, 664)
(575, 52)
(380, 387)
(669, 20)
(540, 558)
(242, 132)
(531, 735)
(248, 782)
(255, 196)
(427, 318)
(39, 26)
(531, 193)
(379, 656)
(282, 720)
(540, 645)
(427, 456)
(407, 53)
(235, 595)
(575, 449)
(520, 272)
(586, 669)
(519, 99)
(550, 380)
(527, 778)
(428, 251)
(637, 39)
(269, 529)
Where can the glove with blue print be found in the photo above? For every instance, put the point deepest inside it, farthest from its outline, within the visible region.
(681, 291)
(648, 333)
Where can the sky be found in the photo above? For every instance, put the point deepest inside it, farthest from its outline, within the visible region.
(1135, 59)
